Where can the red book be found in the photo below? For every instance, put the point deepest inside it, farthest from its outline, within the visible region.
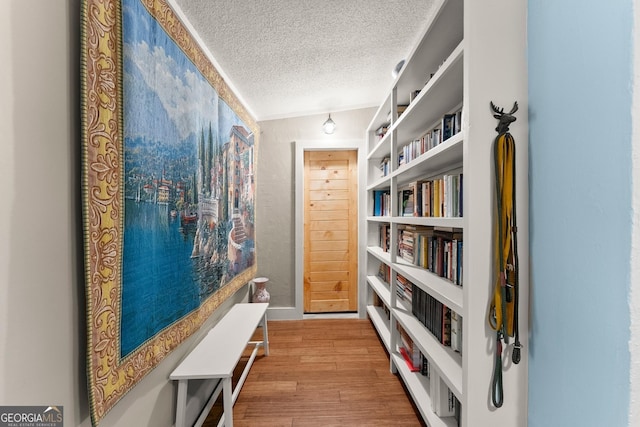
(407, 359)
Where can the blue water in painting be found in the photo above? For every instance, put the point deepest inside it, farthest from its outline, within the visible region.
(164, 141)
(161, 286)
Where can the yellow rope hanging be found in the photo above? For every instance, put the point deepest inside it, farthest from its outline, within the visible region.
(502, 305)
(503, 309)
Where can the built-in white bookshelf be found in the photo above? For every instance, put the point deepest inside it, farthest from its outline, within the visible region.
(470, 54)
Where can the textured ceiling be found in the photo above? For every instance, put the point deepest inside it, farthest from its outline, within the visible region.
(287, 58)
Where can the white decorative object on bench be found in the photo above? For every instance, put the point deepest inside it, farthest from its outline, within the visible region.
(260, 294)
(216, 357)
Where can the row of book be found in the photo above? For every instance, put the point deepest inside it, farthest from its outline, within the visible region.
(381, 203)
(433, 248)
(384, 273)
(385, 237)
(436, 197)
(399, 109)
(450, 125)
(441, 197)
(443, 402)
(377, 302)
(413, 357)
(384, 128)
(407, 201)
(444, 323)
(385, 167)
(404, 288)
(440, 320)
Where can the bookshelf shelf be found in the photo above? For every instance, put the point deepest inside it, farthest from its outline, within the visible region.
(381, 323)
(445, 361)
(381, 183)
(381, 289)
(381, 149)
(453, 222)
(438, 287)
(419, 387)
(441, 158)
(377, 252)
(442, 93)
(435, 124)
(379, 219)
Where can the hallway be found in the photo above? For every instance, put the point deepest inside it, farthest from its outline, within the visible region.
(321, 372)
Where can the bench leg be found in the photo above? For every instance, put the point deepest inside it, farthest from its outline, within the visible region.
(265, 334)
(227, 396)
(181, 404)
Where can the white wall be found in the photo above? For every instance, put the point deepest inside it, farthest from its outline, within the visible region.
(42, 326)
(275, 209)
(41, 358)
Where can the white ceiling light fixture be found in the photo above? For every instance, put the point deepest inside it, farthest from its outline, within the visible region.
(397, 69)
(329, 126)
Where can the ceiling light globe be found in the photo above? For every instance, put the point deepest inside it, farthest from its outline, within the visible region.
(329, 126)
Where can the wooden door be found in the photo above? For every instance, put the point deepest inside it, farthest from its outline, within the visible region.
(330, 231)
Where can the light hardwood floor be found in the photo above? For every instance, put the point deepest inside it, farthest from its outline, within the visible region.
(321, 372)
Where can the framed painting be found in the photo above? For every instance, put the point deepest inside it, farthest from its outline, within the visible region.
(168, 190)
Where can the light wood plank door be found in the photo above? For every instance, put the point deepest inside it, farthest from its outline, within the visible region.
(330, 231)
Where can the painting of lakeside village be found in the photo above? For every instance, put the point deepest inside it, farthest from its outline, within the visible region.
(188, 185)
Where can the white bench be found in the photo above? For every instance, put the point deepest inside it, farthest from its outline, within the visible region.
(216, 357)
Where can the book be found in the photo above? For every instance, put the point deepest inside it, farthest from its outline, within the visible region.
(425, 367)
(442, 402)
(377, 202)
(438, 197)
(405, 202)
(426, 198)
(445, 253)
(416, 188)
(457, 415)
(381, 205)
(409, 351)
(460, 198)
(385, 167)
(406, 242)
(421, 238)
(443, 323)
(384, 235)
(446, 326)
(413, 95)
(456, 332)
(382, 130)
(404, 288)
(384, 272)
(447, 126)
(457, 122)
(436, 137)
(407, 359)
(399, 109)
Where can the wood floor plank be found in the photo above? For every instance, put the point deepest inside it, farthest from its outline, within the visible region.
(321, 372)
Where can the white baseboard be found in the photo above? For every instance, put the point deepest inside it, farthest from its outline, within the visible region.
(291, 313)
(283, 313)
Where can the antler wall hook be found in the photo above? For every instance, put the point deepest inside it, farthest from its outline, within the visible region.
(505, 118)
